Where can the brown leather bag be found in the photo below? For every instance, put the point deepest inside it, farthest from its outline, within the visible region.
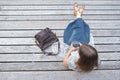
(45, 38)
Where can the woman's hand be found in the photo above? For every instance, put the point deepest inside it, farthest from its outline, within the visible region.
(72, 48)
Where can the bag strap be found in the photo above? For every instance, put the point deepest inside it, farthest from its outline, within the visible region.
(37, 43)
(49, 53)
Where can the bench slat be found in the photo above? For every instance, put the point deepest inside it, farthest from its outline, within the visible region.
(64, 75)
(57, 12)
(55, 24)
(51, 66)
(31, 33)
(40, 2)
(35, 49)
(31, 41)
(58, 17)
(37, 7)
(41, 57)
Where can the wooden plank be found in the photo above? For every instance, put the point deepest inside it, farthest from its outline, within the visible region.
(39, 66)
(19, 41)
(39, 2)
(105, 32)
(27, 57)
(42, 57)
(109, 56)
(57, 12)
(58, 17)
(31, 33)
(109, 65)
(31, 41)
(35, 49)
(27, 33)
(32, 66)
(107, 47)
(18, 49)
(61, 75)
(55, 24)
(54, 7)
(107, 40)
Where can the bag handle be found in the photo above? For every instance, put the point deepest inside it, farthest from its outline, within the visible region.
(49, 53)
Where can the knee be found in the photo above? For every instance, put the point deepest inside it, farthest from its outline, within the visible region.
(79, 21)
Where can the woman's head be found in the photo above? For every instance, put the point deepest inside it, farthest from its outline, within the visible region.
(88, 58)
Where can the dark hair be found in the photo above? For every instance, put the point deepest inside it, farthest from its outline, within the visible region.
(88, 58)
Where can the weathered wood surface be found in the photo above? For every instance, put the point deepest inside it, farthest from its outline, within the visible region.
(20, 20)
(55, 7)
(41, 57)
(58, 12)
(57, 17)
(32, 49)
(31, 33)
(41, 66)
(31, 41)
(64, 75)
(60, 2)
(33, 25)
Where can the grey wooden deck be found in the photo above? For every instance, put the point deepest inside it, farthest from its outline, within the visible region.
(20, 20)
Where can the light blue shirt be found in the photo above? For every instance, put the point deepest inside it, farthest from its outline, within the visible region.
(74, 54)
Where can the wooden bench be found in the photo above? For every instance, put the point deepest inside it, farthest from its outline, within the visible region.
(20, 20)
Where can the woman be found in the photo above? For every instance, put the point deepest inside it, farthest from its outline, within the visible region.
(82, 57)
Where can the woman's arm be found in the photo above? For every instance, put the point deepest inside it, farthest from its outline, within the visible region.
(66, 58)
(67, 55)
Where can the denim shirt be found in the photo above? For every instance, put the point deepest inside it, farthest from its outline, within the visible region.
(77, 30)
